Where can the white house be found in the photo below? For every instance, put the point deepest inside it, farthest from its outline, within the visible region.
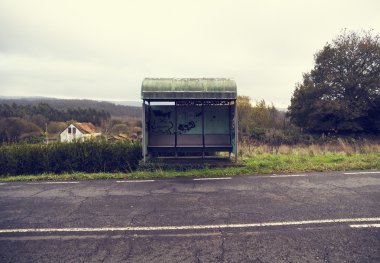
(79, 132)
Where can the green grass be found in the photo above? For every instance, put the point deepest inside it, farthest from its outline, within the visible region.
(259, 164)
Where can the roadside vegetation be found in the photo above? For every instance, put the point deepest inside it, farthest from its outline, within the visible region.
(257, 159)
(58, 158)
(262, 164)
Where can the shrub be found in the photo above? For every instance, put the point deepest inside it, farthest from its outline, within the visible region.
(274, 139)
(90, 156)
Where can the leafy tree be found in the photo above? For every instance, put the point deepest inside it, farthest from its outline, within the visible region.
(244, 108)
(56, 127)
(15, 129)
(39, 120)
(342, 92)
(254, 120)
(121, 128)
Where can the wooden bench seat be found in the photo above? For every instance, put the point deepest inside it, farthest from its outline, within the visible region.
(190, 142)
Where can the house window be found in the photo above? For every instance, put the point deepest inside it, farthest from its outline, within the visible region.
(74, 130)
(69, 130)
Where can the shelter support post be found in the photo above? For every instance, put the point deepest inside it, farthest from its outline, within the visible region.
(236, 132)
(144, 140)
(203, 130)
(175, 129)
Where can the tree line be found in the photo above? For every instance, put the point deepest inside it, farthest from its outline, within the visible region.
(27, 122)
(48, 113)
(67, 104)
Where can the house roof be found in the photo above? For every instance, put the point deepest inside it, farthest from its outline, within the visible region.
(188, 88)
(85, 127)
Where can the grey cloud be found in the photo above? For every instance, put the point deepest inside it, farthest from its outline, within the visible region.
(94, 49)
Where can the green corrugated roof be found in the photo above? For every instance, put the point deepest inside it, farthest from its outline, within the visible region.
(189, 88)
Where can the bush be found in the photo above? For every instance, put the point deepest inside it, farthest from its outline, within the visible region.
(58, 158)
(274, 139)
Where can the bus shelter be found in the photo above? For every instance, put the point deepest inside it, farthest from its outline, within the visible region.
(189, 116)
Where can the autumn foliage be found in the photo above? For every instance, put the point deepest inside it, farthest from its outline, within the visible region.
(341, 94)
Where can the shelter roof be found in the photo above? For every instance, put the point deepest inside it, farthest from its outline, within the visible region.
(188, 88)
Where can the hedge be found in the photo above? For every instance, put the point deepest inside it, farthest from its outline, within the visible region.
(90, 157)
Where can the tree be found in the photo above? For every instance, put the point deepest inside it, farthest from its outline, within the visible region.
(244, 109)
(16, 129)
(255, 120)
(342, 92)
(56, 127)
(39, 120)
(121, 128)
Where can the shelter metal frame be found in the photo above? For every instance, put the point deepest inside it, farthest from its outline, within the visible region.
(177, 142)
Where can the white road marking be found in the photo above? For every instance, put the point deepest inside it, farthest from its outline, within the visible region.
(287, 175)
(194, 227)
(365, 226)
(55, 183)
(377, 172)
(114, 236)
(209, 179)
(60, 237)
(135, 181)
(3, 183)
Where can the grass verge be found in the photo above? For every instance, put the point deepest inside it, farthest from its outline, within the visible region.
(259, 164)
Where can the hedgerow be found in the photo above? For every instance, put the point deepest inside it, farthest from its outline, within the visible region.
(89, 156)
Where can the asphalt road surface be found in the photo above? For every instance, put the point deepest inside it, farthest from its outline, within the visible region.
(319, 217)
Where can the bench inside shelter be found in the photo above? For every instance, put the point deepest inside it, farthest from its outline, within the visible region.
(192, 142)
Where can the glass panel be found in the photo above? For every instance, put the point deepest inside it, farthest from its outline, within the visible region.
(162, 119)
(216, 119)
(189, 120)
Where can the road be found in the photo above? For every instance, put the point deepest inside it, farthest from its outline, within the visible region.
(316, 217)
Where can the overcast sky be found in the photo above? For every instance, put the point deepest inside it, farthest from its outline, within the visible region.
(103, 49)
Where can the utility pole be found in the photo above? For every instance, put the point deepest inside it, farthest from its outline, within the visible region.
(46, 134)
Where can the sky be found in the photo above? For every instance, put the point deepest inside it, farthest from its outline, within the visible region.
(103, 50)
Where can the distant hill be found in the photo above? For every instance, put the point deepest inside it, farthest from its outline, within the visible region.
(116, 109)
(135, 103)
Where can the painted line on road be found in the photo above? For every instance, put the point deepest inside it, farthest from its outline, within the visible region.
(210, 179)
(352, 173)
(60, 237)
(189, 227)
(54, 183)
(286, 175)
(135, 181)
(366, 226)
(3, 183)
